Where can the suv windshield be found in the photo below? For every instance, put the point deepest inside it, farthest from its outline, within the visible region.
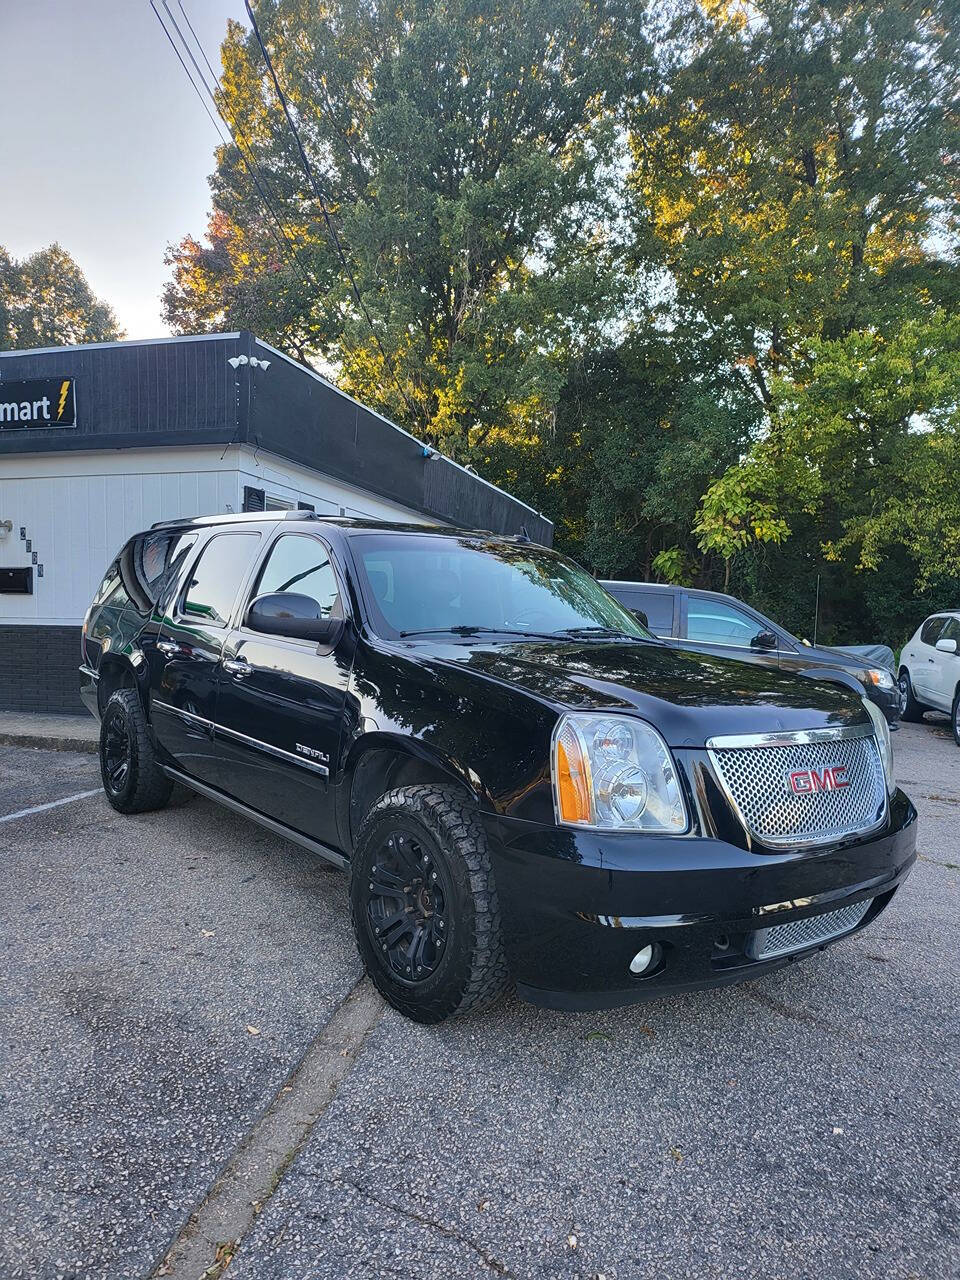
(473, 585)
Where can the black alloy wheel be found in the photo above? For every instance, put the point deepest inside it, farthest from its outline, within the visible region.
(424, 903)
(406, 913)
(117, 752)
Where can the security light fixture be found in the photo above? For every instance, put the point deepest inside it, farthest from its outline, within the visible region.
(236, 361)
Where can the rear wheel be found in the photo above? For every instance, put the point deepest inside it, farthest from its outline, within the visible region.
(910, 709)
(132, 777)
(955, 716)
(424, 904)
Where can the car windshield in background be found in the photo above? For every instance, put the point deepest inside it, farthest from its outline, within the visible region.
(475, 586)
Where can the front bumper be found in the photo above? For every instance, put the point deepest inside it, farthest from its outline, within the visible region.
(888, 700)
(578, 905)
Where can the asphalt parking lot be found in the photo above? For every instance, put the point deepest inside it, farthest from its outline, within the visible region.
(164, 976)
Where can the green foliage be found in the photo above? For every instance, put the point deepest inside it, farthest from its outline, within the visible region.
(683, 276)
(45, 301)
(795, 174)
(464, 150)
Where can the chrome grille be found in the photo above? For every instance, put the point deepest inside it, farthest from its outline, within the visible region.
(760, 777)
(782, 938)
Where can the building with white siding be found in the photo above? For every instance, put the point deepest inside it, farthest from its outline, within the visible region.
(100, 441)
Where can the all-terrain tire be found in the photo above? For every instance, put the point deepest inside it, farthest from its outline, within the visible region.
(132, 777)
(910, 709)
(438, 828)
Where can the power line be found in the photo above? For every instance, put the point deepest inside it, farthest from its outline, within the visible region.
(284, 241)
(318, 192)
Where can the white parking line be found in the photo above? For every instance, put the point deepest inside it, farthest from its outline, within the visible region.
(52, 804)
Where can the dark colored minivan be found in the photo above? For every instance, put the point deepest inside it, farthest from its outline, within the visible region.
(522, 782)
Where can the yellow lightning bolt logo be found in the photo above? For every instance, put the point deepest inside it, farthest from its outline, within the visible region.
(64, 388)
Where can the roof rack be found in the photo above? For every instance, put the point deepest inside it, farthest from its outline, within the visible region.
(241, 517)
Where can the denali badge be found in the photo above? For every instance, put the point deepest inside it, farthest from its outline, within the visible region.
(803, 782)
(313, 753)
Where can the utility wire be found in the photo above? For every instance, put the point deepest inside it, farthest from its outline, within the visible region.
(318, 192)
(286, 244)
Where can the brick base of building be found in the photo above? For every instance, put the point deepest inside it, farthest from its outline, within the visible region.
(38, 669)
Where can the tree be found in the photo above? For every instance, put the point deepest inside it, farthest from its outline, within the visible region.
(465, 153)
(638, 434)
(45, 301)
(796, 172)
(796, 177)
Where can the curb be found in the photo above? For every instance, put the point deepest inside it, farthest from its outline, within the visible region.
(49, 742)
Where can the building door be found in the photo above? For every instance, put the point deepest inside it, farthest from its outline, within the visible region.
(281, 702)
(188, 645)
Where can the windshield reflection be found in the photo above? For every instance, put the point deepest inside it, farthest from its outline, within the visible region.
(474, 585)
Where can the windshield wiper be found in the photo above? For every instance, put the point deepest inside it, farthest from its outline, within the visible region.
(475, 631)
(603, 633)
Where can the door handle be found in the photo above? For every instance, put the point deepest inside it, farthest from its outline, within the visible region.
(237, 667)
(169, 647)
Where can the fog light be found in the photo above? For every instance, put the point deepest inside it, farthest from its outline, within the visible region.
(642, 961)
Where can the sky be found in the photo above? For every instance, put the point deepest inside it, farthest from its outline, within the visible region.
(104, 145)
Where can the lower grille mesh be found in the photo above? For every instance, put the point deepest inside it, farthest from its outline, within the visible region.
(781, 938)
(758, 780)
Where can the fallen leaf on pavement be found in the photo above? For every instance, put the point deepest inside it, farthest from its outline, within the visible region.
(254, 1031)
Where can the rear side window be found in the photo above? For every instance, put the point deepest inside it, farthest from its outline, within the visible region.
(149, 563)
(216, 577)
(930, 632)
(951, 631)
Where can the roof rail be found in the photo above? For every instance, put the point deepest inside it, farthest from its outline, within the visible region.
(242, 517)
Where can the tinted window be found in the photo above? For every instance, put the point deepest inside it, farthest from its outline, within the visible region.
(216, 577)
(951, 631)
(302, 564)
(930, 633)
(416, 583)
(712, 622)
(149, 564)
(657, 605)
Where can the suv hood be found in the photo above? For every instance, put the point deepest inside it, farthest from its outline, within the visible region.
(689, 697)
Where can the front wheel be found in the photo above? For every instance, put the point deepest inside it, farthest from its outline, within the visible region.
(910, 709)
(424, 904)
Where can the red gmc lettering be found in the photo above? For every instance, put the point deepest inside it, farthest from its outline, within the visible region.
(804, 782)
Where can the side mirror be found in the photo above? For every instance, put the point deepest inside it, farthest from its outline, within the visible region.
(641, 617)
(764, 640)
(947, 646)
(287, 613)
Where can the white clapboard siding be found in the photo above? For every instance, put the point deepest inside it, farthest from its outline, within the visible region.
(78, 508)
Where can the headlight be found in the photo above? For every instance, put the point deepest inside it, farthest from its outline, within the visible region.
(882, 731)
(879, 676)
(615, 773)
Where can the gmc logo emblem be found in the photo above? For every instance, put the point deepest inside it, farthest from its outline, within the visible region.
(805, 782)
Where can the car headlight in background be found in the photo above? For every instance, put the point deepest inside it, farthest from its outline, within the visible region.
(615, 773)
(880, 677)
(882, 731)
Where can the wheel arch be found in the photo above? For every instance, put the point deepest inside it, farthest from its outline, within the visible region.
(381, 762)
(116, 671)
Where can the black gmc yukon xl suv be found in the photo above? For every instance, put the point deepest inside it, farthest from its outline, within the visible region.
(523, 782)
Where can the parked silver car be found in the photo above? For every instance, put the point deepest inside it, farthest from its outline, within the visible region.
(929, 674)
